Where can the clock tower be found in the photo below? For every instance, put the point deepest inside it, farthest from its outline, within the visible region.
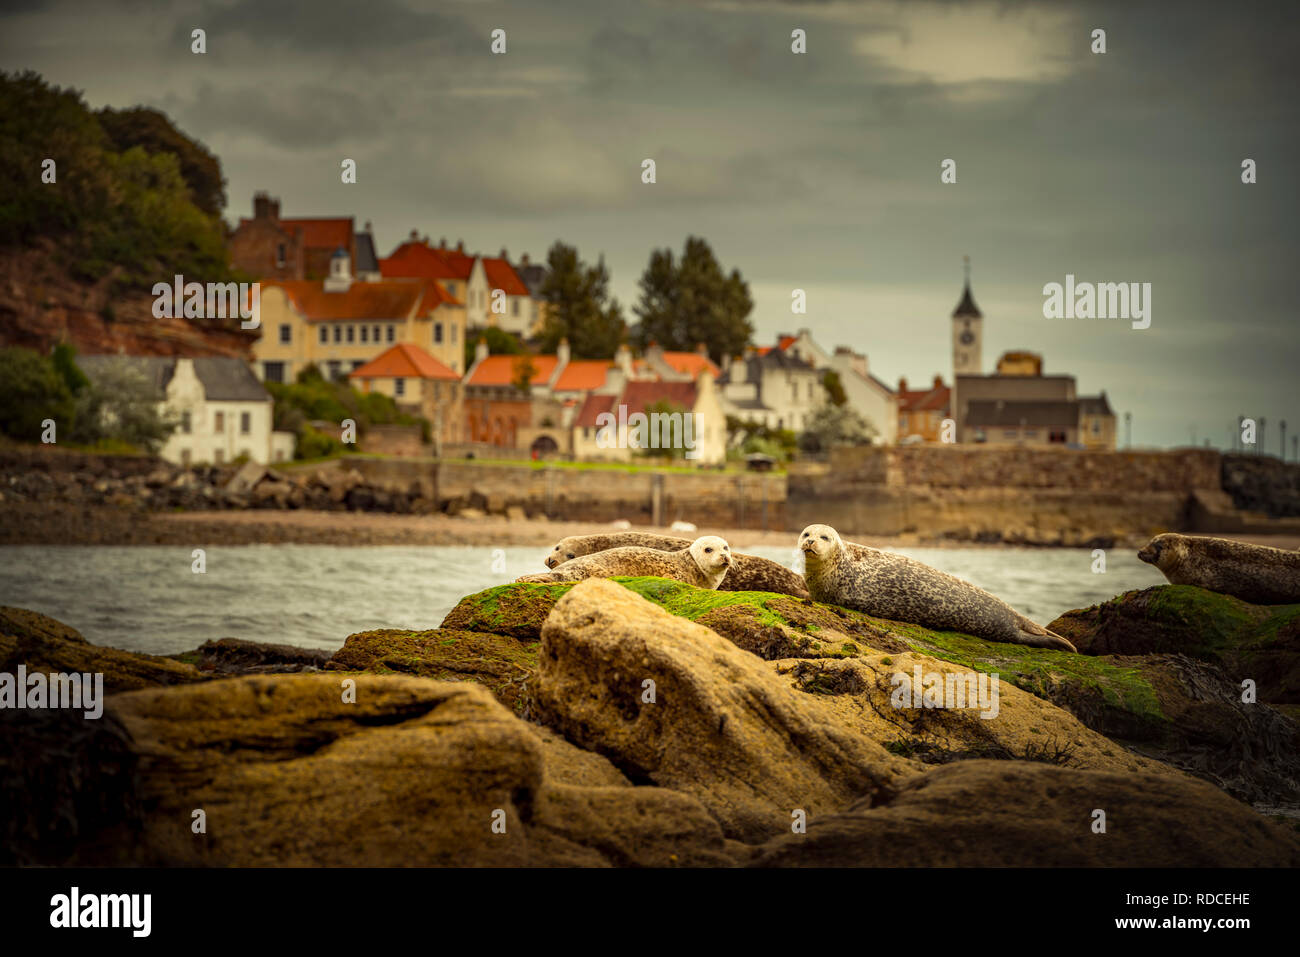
(967, 334)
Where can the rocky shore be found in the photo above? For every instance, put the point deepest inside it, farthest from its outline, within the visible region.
(644, 722)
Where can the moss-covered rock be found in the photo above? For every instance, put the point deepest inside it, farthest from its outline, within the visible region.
(1260, 642)
(500, 662)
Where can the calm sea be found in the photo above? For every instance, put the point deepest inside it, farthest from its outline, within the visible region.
(149, 599)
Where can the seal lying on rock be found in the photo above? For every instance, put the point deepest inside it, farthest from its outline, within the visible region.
(748, 572)
(1258, 574)
(902, 589)
(703, 564)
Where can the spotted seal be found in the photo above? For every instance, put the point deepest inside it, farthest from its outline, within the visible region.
(703, 564)
(1259, 574)
(893, 586)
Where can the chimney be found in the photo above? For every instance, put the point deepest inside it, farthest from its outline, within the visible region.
(264, 207)
(414, 235)
(938, 382)
(562, 354)
(902, 384)
(480, 350)
(442, 243)
(524, 259)
(368, 229)
(504, 255)
(623, 359)
(701, 349)
(460, 245)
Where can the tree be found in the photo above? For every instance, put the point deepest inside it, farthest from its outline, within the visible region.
(834, 388)
(522, 371)
(64, 360)
(121, 403)
(692, 301)
(155, 133)
(31, 391)
(499, 343)
(579, 307)
(831, 425)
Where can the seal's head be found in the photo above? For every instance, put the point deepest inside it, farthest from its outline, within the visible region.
(713, 555)
(562, 552)
(1165, 551)
(819, 543)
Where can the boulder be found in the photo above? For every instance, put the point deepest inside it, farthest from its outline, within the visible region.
(243, 481)
(502, 663)
(49, 646)
(722, 726)
(1261, 642)
(415, 772)
(235, 656)
(1024, 814)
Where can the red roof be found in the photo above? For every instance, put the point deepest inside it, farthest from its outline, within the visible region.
(404, 360)
(421, 261)
(501, 275)
(329, 233)
(637, 395)
(692, 363)
(435, 295)
(362, 300)
(581, 375)
(500, 370)
(934, 399)
(592, 408)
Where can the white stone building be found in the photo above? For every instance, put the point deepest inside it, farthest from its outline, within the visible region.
(224, 411)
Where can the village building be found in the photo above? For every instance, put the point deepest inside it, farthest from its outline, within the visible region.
(604, 428)
(223, 412)
(473, 278)
(921, 412)
(419, 384)
(771, 388)
(269, 247)
(339, 324)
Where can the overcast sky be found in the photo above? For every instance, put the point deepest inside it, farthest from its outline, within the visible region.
(818, 171)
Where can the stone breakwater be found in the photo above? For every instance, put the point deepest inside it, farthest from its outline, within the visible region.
(643, 722)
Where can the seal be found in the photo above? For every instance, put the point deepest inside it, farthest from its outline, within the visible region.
(1259, 574)
(902, 589)
(748, 572)
(703, 564)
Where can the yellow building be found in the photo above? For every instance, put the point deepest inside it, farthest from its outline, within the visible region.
(340, 324)
(418, 383)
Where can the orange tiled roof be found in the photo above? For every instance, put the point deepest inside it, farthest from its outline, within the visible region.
(435, 295)
(923, 400)
(421, 261)
(583, 375)
(362, 300)
(403, 360)
(592, 407)
(500, 370)
(501, 275)
(691, 363)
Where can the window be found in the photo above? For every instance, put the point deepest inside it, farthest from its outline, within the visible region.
(453, 335)
(273, 371)
(324, 334)
(1009, 433)
(1031, 433)
(514, 307)
(245, 423)
(335, 368)
(218, 456)
(399, 387)
(365, 333)
(437, 332)
(374, 332)
(352, 333)
(1096, 426)
(338, 333)
(219, 422)
(392, 333)
(185, 423)
(1057, 435)
(279, 256)
(286, 334)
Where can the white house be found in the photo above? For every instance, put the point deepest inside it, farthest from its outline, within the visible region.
(224, 411)
(772, 388)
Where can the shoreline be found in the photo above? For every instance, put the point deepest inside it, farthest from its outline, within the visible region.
(30, 523)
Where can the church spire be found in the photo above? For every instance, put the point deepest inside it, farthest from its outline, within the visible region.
(967, 305)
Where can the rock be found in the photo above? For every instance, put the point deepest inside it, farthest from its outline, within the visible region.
(1261, 642)
(414, 773)
(248, 475)
(1014, 814)
(516, 513)
(515, 610)
(862, 692)
(51, 647)
(235, 656)
(722, 727)
(501, 663)
(471, 513)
